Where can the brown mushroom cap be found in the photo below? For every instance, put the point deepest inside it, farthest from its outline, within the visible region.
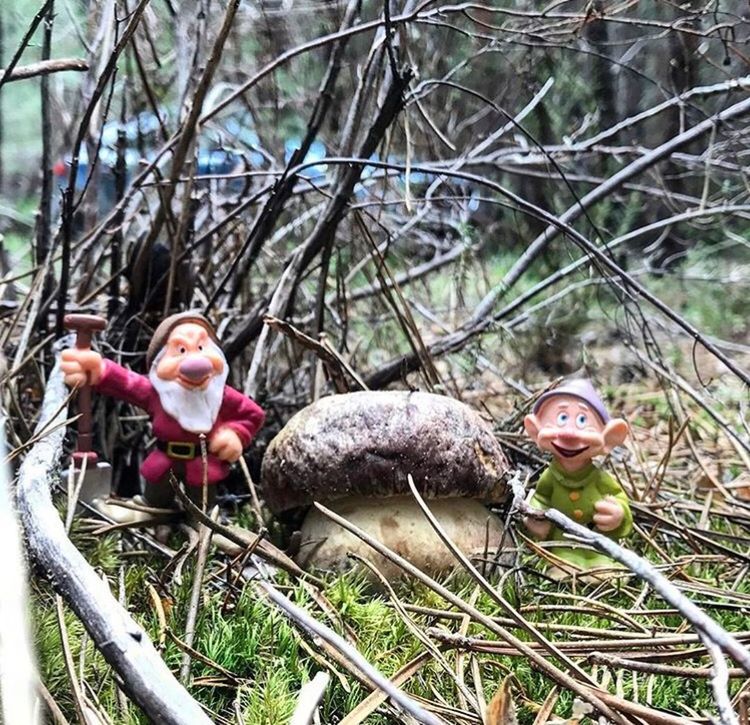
(367, 443)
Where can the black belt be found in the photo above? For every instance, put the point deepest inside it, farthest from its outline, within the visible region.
(179, 450)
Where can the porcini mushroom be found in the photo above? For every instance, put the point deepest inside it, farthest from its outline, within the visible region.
(353, 452)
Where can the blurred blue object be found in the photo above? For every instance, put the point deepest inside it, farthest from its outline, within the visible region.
(142, 140)
(229, 147)
(316, 152)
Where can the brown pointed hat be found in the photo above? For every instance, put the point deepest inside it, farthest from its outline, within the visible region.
(165, 327)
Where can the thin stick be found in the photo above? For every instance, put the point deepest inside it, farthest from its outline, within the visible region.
(161, 616)
(720, 683)
(301, 617)
(52, 707)
(655, 668)
(68, 659)
(44, 68)
(204, 544)
(376, 698)
(308, 698)
(254, 500)
(202, 658)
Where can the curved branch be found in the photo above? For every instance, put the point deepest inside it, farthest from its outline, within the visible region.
(642, 163)
(122, 642)
(709, 630)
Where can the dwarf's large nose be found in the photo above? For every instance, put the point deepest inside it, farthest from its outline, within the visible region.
(195, 368)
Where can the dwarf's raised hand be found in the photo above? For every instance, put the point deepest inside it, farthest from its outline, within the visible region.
(81, 366)
(226, 445)
(609, 514)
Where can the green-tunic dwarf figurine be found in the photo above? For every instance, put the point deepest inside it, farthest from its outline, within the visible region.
(572, 424)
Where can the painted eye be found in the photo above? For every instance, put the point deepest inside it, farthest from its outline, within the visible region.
(581, 420)
(183, 349)
(562, 419)
(200, 347)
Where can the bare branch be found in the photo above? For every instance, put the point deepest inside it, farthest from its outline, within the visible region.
(644, 570)
(44, 68)
(300, 616)
(122, 642)
(634, 168)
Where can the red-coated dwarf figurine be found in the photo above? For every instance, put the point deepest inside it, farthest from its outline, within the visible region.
(572, 424)
(186, 397)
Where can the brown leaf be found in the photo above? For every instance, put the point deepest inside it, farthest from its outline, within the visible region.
(502, 710)
(547, 707)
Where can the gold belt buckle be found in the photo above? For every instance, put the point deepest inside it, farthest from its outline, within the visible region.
(171, 445)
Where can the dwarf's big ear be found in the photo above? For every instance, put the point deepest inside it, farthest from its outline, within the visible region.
(615, 433)
(532, 425)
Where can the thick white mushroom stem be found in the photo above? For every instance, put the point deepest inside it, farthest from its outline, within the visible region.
(398, 522)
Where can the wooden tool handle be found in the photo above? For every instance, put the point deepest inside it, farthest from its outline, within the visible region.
(84, 327)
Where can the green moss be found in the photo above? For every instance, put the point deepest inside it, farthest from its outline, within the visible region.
(250, 638)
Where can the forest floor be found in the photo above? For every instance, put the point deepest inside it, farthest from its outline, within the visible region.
(622, 241)
(690, 486)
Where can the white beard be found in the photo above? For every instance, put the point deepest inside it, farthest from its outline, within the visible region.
(195, 410)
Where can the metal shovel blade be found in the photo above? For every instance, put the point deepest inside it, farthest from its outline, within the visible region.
(97, 483)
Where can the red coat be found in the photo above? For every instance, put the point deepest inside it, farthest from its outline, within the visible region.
(237, 412)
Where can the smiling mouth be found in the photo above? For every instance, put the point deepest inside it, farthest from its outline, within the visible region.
(569, 452)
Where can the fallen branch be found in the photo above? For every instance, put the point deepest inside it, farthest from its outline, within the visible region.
(123, 643)
(716, 639)
(474, 644)
(301, 617)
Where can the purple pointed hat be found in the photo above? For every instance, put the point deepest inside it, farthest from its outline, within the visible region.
(578, 388)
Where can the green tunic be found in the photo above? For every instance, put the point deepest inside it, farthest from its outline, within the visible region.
(575, 494)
